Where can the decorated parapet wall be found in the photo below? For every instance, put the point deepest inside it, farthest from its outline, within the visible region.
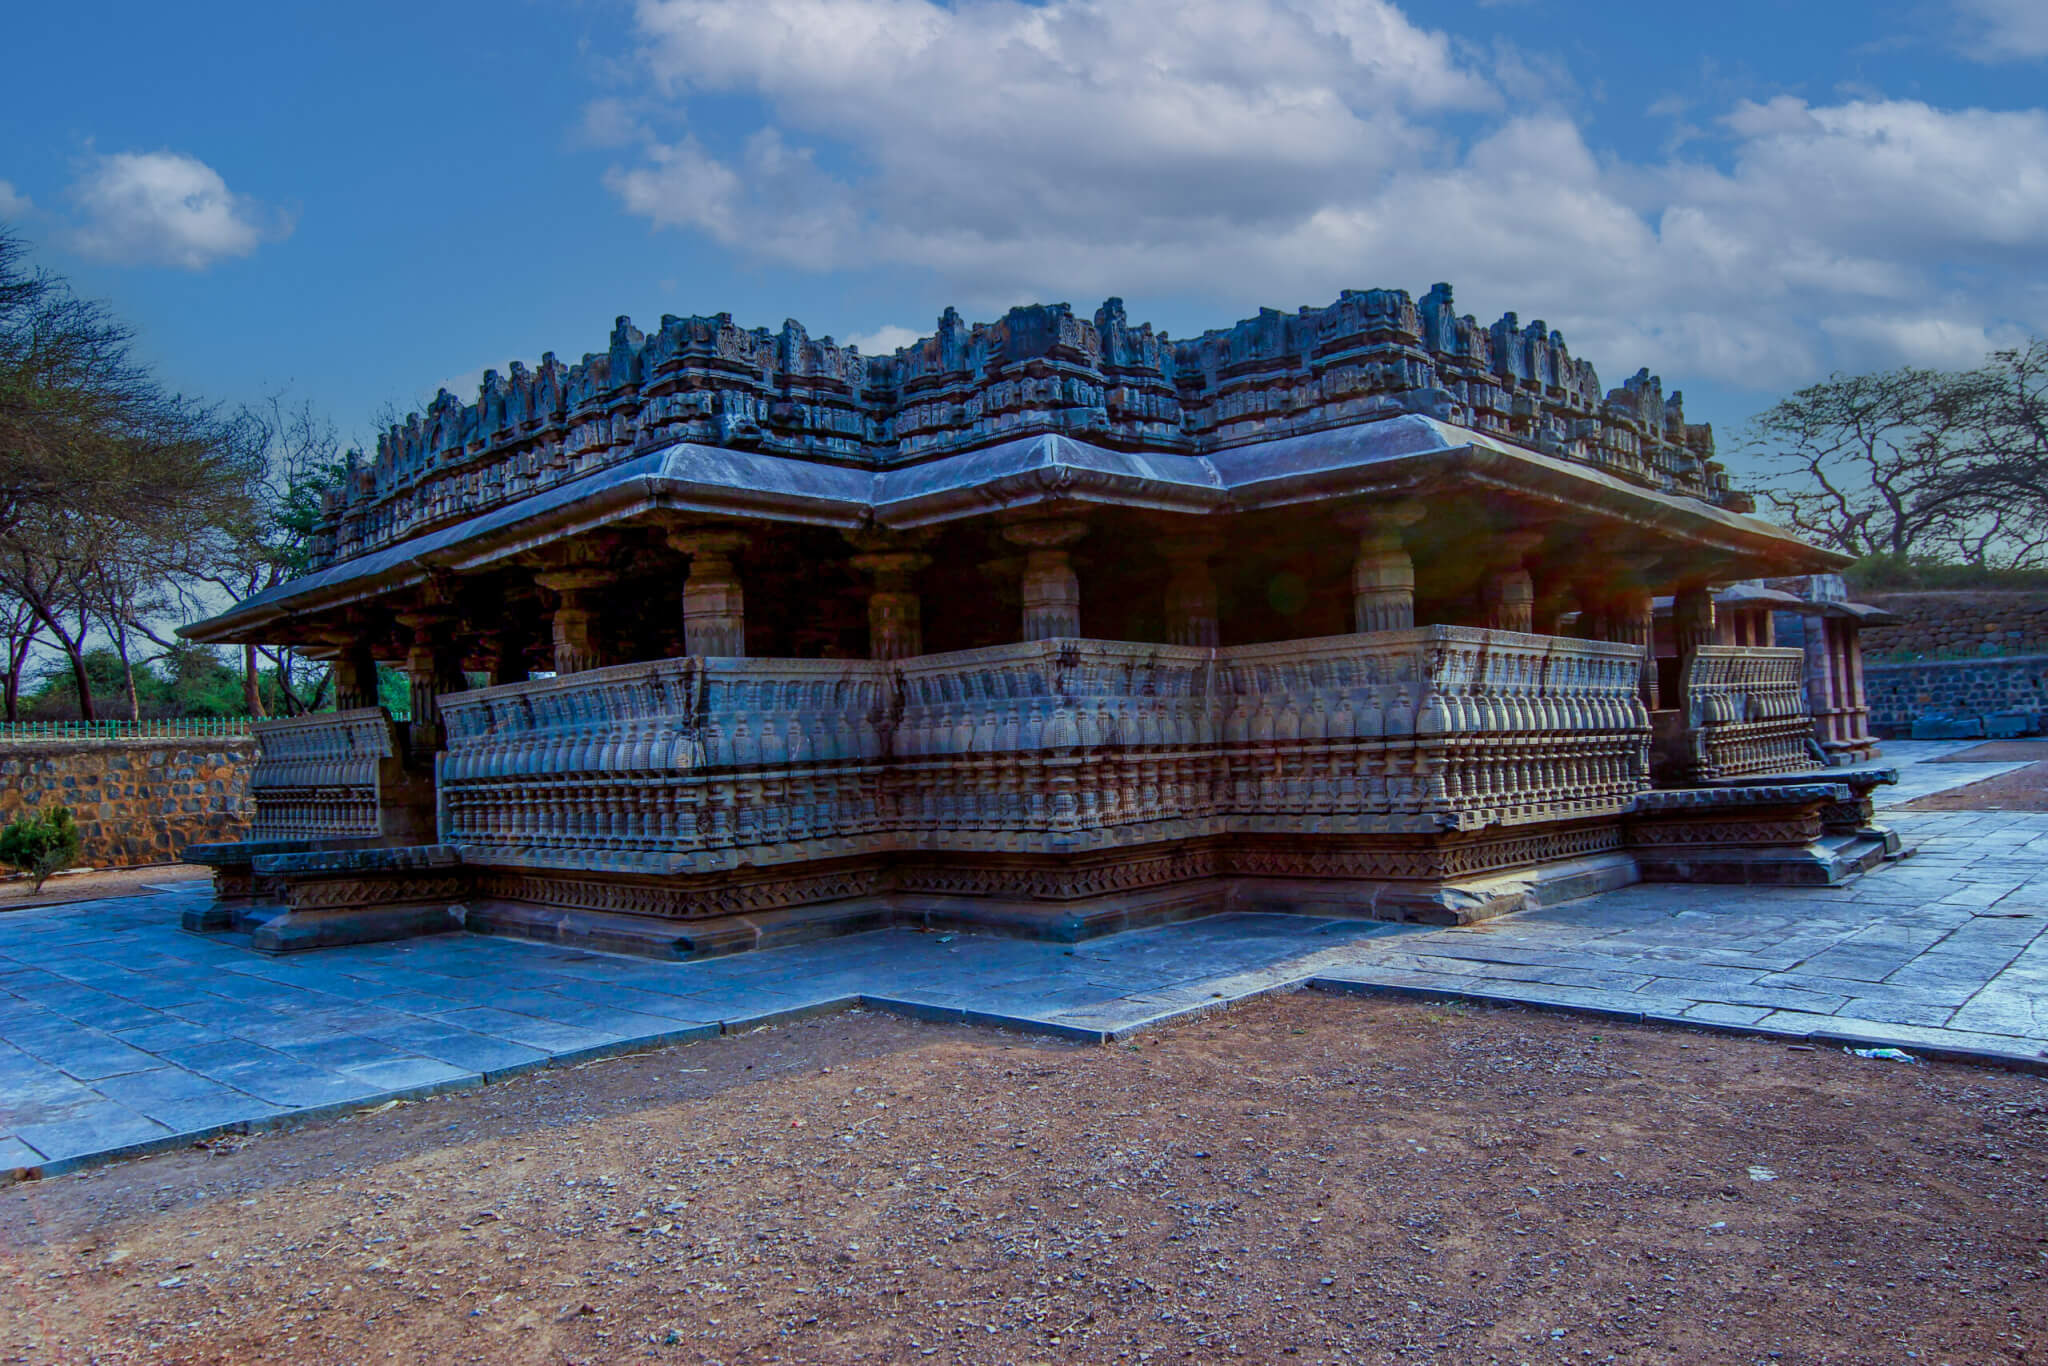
(136, 801)
(1046, 747)
(1040, 369)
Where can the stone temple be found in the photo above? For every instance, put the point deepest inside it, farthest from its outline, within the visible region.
(1049, 626)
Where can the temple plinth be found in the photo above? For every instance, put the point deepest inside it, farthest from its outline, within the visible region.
(1388, 613)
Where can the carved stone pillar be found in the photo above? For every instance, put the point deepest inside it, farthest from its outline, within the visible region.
(1382, 572)
(1507, 592)
(1692, 626)
(1823, 682)
(1692, 620)
(1511, 601)
(714, 606)
(434, 665)
(578, 645)
(1192, 616)
(895, 611)
(1052, 591)
(1631, 619)
(355, 677)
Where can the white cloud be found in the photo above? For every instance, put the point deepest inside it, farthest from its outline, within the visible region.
(1274, 151)
(611, 122)
(13, 204)
(1931, 340)
(162, 208)
(2004, 30)
(884, 340)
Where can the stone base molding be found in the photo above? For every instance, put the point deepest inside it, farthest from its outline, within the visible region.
(1056, 787)
(1762, 834)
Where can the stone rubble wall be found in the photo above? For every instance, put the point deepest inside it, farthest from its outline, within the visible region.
(137, 802)
(1960, 687)
(1958, 623)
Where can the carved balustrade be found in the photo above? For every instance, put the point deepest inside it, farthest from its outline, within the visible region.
(1747, 711)
(1431, 726)
(322, 776)
(698, 764)
(669, 766)
(1055, 744)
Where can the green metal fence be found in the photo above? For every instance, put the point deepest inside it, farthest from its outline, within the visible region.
(178, 728)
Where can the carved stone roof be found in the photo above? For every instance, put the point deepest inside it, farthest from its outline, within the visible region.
(1391, 456)
(1039, 370)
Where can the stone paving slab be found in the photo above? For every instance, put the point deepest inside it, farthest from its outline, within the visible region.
(120, 1033)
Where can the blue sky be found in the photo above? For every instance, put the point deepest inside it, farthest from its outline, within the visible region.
(357, 204)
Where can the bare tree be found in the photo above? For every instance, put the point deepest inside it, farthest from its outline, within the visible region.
(300, 459)
(111, 489)
(20, 628)
(2009, 402)
(1915, 463)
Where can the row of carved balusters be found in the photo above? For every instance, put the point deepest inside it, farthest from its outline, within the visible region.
(318, 775)
(1059, 735)
(1736, 749)
(671, 815)
(1725, 684)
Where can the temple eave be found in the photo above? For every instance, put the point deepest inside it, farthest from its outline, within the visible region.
(1394, 458)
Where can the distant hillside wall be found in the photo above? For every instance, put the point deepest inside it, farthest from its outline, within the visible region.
(1954, 687)
(136, 801)
(1957, 623)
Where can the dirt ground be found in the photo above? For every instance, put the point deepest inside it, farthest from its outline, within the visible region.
(18, 891)
(1997, 752)
(1303, 1178)
(2023, 789)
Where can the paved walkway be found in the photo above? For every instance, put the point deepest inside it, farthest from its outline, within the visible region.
(120, 1033)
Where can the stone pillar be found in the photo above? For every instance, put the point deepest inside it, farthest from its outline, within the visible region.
(1631, 619)
(1192, 616)
(355, 677)
(1692, 620)
(1692, 626)
(1859, 701)
(714, 606)
(1052, 592)
(895, 612)
(1507, 595)
(1511, 601)
(434, 664)
(578, 646)
(1382, 573)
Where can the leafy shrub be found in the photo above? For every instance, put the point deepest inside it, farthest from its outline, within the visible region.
(41, 845)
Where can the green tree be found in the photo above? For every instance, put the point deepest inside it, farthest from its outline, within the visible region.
(41, 845)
